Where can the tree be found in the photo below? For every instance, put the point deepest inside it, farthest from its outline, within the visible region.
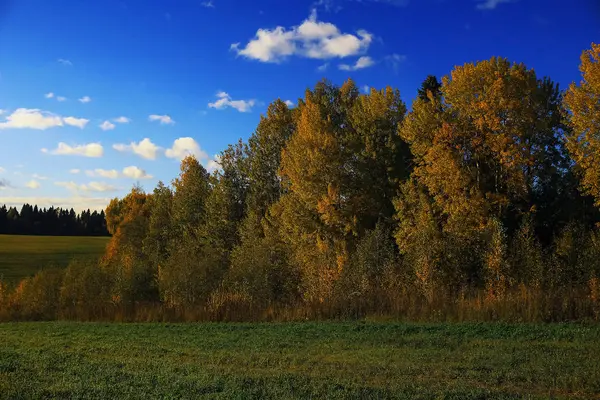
(156, 244)
(489, 147)
(583, 103)
(430, 87)
(133, 275)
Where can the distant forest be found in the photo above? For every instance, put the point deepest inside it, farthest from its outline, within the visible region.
(32, 220)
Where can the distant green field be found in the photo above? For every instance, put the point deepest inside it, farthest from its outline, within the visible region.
(22, 256)
(299, 360)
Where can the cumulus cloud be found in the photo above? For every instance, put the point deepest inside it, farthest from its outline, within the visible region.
(491, 4)
(164, 119)
(40, 177)
(61, 98)
(85, 99)
(94, 150)
(323, 68)
(214, 163)
(103, 173)
(78, 122)
(361, 63)
(89, 187)
(107, 126)
(33, 184)
(289, 103)
(64, 62)
(49, 95)
(225, 100)
(311, 39)
(128, 172)
(186, 146)
(31, 118)
(366, 89)
(135, 173)
(74, 171)
(145, 149)
(122, 120)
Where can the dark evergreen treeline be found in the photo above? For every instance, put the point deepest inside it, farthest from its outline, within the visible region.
(32, 220)
(481, 201)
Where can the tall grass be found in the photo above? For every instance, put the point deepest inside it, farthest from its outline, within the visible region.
(83, 292)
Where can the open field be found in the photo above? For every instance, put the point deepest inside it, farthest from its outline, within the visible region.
(302, 360)
(22, 255)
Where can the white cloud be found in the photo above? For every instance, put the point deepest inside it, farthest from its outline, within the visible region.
(74, 171)
(185, 146)
(224, 101)
(87, 150)
(85, 99)
(40, 177)
(491, 4)
(89, 187)
(51, 95)
(289, 103)
(208, 4)
(107, 126)
(366, 89)
(135, 173)
(2, 170)
(164, 119)
(128, 172)
(122, 120)
(64, 62)
(312, 39)
(78, 122)
(361, 63)
(323, 68)
(214, 163)
(77, 202)
(145, 149)
(33, 184)
(103, 173)
(32, 119)
(2, 111)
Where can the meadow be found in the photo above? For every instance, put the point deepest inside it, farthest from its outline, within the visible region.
(24, 255)
(299, 360)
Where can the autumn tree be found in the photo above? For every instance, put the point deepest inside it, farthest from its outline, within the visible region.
(341, 167)
(260, 264)
(132, 274)
(182, 276)
(489, 147)
(583, 104)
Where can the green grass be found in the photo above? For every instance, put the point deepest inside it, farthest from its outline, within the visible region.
(22, 256)
(312, 360)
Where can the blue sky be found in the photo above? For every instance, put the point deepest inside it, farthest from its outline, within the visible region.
(97, 95)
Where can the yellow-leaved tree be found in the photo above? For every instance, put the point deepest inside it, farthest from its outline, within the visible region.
(583, 104)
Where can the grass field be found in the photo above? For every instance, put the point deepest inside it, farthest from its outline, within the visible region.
(22, 256)
(311, 360)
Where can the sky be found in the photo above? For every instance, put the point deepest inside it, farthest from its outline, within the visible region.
(96, 96)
